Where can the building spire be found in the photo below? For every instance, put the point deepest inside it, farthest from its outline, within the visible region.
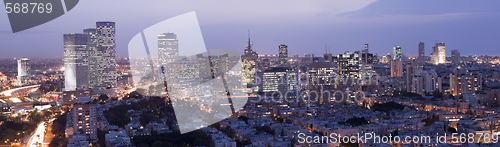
(249, 46)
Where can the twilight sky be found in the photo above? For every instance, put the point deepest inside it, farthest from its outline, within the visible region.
(472, 27)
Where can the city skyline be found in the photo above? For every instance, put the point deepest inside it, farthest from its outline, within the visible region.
(348, 28)
(194, 76)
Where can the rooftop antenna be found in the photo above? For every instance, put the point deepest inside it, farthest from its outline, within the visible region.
(329, 50)
(326, 46)
(249, 46)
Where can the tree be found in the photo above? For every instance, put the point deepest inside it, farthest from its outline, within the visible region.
(103, 97)
(356, 121)
(199, 142)
(135, 94)
(386, 107)
(143, 145)
(244, 118)
(158, 144)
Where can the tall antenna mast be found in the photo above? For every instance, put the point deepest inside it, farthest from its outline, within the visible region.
(326, 46)
(249, 46)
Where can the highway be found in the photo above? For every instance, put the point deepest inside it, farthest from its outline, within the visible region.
(8, 93)
(37, 138)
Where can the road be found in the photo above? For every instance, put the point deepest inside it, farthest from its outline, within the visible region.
(10, 91)
(37, 138)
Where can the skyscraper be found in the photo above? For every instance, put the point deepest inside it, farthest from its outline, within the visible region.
(439, 54)
(396, 63)
(103, 61)
(249, 60)
(397, 53)
(92, 55)
(76, 65)
(421, 53)
(455, 56)
(168, 46)
(366, 56)
(366, 47)
(23, 71)
(283, 55)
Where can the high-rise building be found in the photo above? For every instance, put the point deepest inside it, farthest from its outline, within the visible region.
(397, 63)
(249, 60)
(439, 54)
(366, 56)
(183, 69)
(265, 64)
(421, 53)
(103, 62)
(168, 46)
(23, 71)
(385, 59)
(217, 64)
(366, 61)
(366, 48)
(348, 65)
(464, 80)
(455, 56)
(410, 73)
(92, 55)
(76, 64)
(425, 82)
(432, 83)
(84, 117)
(396, 68)
(397, 53)
(417, 84)
(283, 55)
(321, 73)
(327, 57)
(204, 67)
(280, 79)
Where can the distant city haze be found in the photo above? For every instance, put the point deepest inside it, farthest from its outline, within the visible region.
(471, 27)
